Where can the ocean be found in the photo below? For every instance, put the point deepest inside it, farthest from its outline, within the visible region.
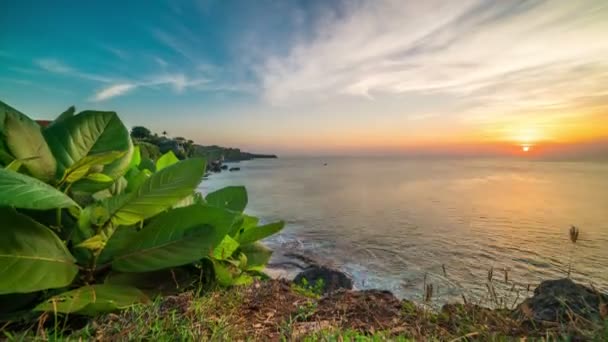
(401, 223)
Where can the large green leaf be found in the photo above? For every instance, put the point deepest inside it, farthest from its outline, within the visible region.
(32, 258)
(136, 159)
(158, 193)
(253, 234)
(228, 275)
(258, 256)
(225, 249)
(244, 222)
(82, 167)
(231, 197)
(21, 191)
(90, 133)
(24, 140)
(174, 238)
(65, 115)
(94, 299)
(136, 177)
(165, 160)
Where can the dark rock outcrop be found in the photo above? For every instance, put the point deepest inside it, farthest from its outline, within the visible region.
(563, 300)
(235, 169)
(333, 280)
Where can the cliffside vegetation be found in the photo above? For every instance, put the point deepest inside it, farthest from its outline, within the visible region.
(186, 148)
(92, 224)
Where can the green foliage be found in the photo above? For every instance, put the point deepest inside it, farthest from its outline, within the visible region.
(32, 257)
(140, 132)
(24, 141)
(88, 220)
(148, 150)
(231, 197)
(90, 300)
(309, 290)
(20, 191)
(165, 160)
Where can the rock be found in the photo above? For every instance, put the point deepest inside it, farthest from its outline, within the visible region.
(235, 169)
(224, 167)
(215, 166)
(560, 300)
(333, 280)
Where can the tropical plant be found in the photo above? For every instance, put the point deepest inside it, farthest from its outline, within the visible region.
(88, 225)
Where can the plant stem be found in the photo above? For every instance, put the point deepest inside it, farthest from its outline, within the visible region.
(58, 217)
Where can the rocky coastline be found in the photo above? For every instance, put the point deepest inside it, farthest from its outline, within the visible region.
(555, 303)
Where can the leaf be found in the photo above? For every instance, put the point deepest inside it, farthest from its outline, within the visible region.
(90, 133)
(32, 258)
(135, 178)
(118, 187)
(158, 193)
(225, 249)
(231, 197)
(223, 276)
(24, 140)
(99, 177)
(244, 222)
(79, 169)
(165, 160)
(94, 299)
(15, 165)
(258, 256)
(65, 115)
(21, 191)
(147, 164)
(174, 238)
(94, 243)
(242, 279)
(227, 275)
(136, 159)
(253, 234)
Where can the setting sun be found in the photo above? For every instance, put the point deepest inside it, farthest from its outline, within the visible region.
(525, 148)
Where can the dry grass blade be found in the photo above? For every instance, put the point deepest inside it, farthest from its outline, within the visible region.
(574, 231)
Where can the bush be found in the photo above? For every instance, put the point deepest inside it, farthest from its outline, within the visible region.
(148, 150)
(88, 222)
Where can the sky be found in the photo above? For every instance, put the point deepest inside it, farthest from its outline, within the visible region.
(322, 77)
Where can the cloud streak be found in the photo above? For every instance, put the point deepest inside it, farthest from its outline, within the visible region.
(113, 91)
(57, 67)
(507, 55)
(178, 82)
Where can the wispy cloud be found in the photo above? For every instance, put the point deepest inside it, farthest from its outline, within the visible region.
(181, 43)
(113, 91)
(121, 54)
(506, 54)
(179, 83)
(57, 67)
(160, 61)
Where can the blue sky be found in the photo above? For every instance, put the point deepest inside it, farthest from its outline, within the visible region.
(318, 76)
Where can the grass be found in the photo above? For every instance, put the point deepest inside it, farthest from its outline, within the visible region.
(275, 310)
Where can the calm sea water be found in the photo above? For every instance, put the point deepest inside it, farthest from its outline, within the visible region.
(397, 223)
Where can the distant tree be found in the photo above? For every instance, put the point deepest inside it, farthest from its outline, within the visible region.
(140, 132)
(165, 133)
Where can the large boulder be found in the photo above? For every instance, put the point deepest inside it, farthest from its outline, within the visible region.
(333, 280)
(563, 300)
